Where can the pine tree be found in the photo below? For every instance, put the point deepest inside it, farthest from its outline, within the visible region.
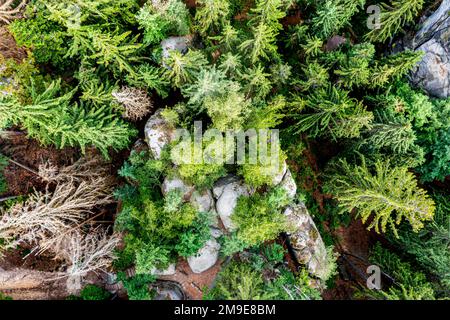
(388, 195)
(330, 112)
(261, 45)
(394, 67)
(53, 120)
(211, 14)
(332, 15)
(393, 17)
(183, 69)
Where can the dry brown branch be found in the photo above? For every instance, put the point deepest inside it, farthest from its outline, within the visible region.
(82, 170)
(8, 12)
(136, 102)
(44, 216)
(85, 253)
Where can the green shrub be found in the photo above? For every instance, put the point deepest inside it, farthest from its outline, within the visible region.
(93, 292)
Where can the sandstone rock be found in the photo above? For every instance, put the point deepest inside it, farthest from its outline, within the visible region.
(168, 290)
(174, 183)
(175, 43)
(306, 241)
(433, 72)
(206, 257)
(158, 133)
(278, 177)
(202, 201)
(289, 185)
(227, 191)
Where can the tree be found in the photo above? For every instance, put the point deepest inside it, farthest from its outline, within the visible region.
(332, 15)
(258, 217)
(388, 195)
(393, 17)
(408, 283)
(184, 68)
(211, 14)
(52, 120)
(331, 112)
(261, 45)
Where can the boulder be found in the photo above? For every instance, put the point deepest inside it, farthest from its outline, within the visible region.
(158, 133)
(174, 183)
(202, 201)
(289, 185)
(306, 241)
(227, 191)
(278, 177)
(175, 43)
(168, 290)
(206, 257)
(433, 72)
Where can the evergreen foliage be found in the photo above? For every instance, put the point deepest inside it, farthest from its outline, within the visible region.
(387, 195)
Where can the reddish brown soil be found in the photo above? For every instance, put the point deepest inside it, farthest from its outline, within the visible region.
(31, 154)
(193, 283)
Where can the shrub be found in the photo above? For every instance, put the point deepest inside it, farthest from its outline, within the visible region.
(93, 292)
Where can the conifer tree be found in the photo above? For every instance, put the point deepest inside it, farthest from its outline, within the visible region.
(393, 17)
(211, 14)
(330, 112)
(332, 15)
(388, 195)
(53, 120)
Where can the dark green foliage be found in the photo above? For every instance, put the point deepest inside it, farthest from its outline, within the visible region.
(93, 292)
(192, 240)
(430, 246)
(241, 281)
(137, 286)
(330, 112)
(408, 285)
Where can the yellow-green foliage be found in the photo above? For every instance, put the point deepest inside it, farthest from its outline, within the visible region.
(387, 194)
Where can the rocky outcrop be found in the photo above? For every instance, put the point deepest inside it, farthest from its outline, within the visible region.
(433, 72)
(289, 185)
(306, 241)
(227, 191)
(158, 133)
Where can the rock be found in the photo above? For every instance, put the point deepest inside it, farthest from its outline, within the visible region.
(206, 257)
(170, 270)
(216, 232)
(433, 72)
(220, 185)
(306, 241)
(228, 191)
(174, 183)
(278, 177)
(158, 133)
(202, 201)
(175, 43)
(168, 290)
(289, 185)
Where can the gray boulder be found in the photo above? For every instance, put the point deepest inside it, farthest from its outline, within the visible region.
(289, 185)
(227, 190)
(202, 201)
(206, 257)
(433, 72)
(175, 43)
(306, 241)
(158, 133)
(174, 183)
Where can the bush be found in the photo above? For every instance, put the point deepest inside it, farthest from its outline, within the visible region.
(93, 292)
